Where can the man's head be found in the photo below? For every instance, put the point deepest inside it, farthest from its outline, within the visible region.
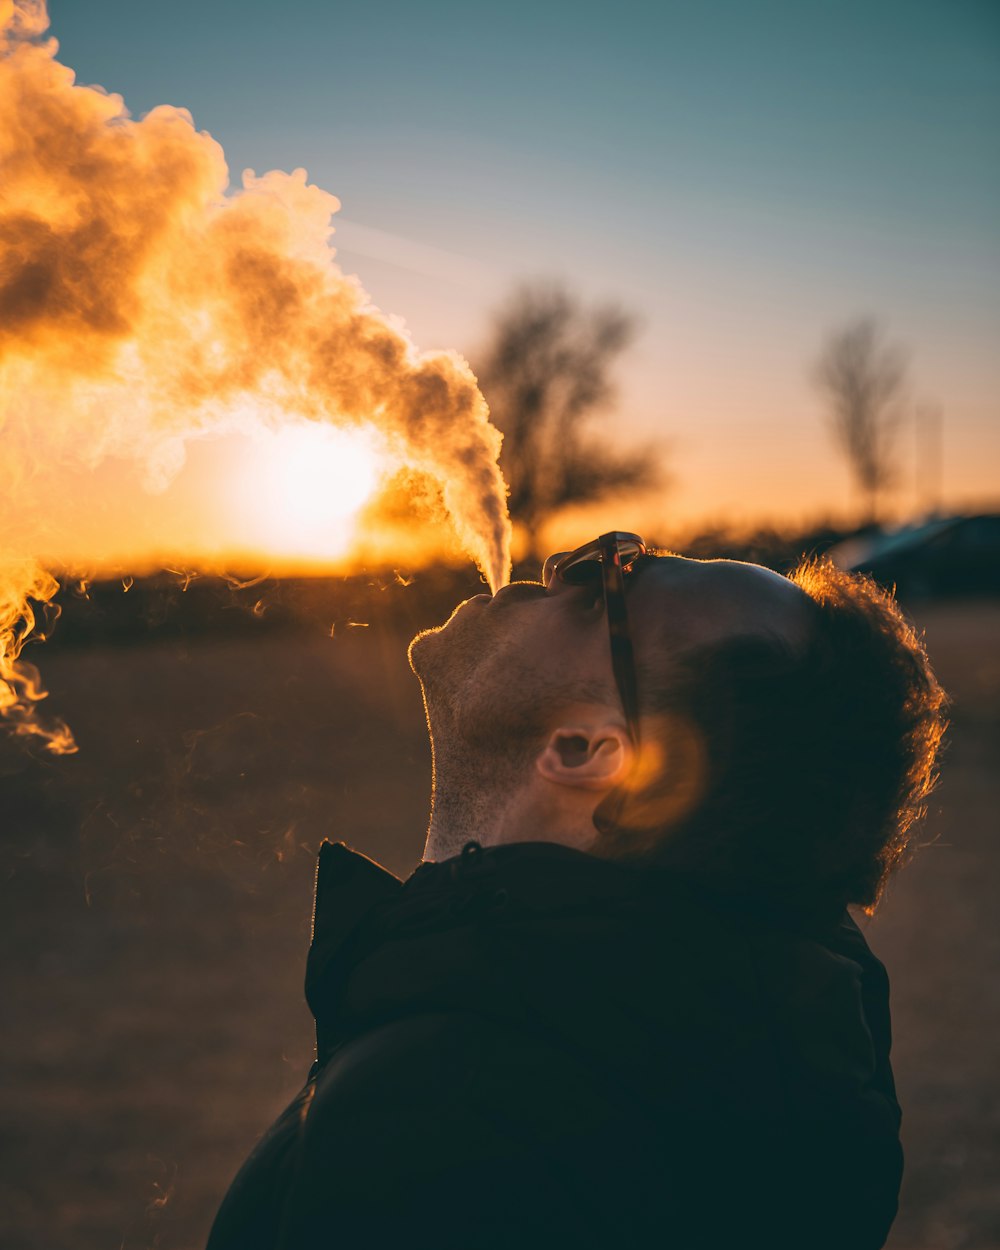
(788, 726)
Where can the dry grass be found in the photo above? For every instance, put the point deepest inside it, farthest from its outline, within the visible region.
(156, 892)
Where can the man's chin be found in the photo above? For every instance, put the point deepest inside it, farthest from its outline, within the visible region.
(418, 648)
(429, 643)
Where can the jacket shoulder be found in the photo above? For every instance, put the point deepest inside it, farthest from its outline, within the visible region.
(431, 1113)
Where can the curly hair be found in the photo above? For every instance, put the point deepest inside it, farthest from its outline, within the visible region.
(812, 764)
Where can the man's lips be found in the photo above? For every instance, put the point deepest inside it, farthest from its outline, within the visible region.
(516, 592)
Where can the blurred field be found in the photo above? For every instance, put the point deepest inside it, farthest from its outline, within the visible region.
(156, 899)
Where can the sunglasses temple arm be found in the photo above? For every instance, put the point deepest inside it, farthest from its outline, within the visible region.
(622, 652)
(623, 663)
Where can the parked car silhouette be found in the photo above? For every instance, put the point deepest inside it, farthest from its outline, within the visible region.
(940, 556)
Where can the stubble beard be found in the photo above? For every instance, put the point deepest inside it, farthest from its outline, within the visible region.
(483, 740)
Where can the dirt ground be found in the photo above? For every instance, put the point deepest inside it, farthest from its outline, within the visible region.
(156, 894)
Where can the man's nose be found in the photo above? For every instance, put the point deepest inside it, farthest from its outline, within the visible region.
(549, 567)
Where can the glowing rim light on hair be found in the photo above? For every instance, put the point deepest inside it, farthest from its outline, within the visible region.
(298, 489)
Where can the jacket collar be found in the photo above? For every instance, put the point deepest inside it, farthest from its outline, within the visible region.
(359, 903)
(357, 900)
(349, 888)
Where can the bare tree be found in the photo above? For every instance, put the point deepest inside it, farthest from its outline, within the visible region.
(545, 375)
(862, 377)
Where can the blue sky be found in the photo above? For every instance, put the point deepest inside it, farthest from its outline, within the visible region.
(745, 176)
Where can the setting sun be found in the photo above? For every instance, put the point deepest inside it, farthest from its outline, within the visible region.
(298, 489)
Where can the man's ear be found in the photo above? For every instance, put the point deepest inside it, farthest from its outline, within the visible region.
(593, 758)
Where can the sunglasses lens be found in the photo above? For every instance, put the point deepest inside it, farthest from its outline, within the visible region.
(583, 571)
(584, 565)
(629, 553)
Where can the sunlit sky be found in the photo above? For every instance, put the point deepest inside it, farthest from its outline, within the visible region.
(743, 176)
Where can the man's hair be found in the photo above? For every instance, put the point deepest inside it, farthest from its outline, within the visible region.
(814, 763)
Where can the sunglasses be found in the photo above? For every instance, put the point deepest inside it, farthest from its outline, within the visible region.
(608, 559)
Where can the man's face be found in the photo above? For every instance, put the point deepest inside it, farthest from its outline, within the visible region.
(530, 650)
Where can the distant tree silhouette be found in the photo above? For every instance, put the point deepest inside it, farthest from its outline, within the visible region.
(546, 374)
(862, 378)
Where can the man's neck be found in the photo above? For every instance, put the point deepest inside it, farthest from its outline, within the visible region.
(461, 813)
(493, 798)
(496, 815)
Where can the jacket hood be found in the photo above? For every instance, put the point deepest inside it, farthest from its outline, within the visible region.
(530, 1046)
(646, 973)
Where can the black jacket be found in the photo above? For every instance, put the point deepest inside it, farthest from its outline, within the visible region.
(528, 1046)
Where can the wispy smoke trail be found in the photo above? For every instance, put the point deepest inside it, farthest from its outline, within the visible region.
(142, 305)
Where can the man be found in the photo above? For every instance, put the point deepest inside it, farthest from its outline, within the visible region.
(621, 1002)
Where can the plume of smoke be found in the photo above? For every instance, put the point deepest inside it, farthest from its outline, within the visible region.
(20, 686)
(142, 304)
